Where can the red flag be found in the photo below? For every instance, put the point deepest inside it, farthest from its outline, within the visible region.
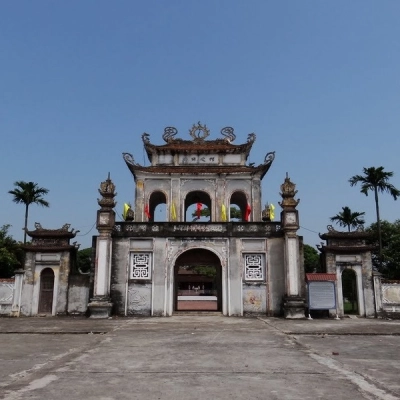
(247, 213)
(199, 207)
(146, 211)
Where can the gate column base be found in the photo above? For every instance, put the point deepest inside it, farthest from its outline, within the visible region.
(294, 307)
(100, 308)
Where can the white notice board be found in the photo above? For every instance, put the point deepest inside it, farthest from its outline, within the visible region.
(321, 295)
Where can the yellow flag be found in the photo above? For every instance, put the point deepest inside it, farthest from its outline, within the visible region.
(125, 212)
(173, 212)
(271, 212)
(223, 212)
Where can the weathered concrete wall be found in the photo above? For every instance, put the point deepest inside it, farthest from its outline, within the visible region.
(368, 285)
(119, 275)
(139, 299)
(254, 298)
(276, 275)
(6, 295)
(160, 276)
(78, 294)
(234, 278)
(391, 298)
(61, 282)
(27, 300)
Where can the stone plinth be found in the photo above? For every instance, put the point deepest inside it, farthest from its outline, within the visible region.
(294, 307)
(100, 308)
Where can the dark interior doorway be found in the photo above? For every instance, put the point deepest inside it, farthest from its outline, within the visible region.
(46, 291)
(198, 283)
(349, 288)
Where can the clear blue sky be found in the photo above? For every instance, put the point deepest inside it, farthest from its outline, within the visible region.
(317, 81)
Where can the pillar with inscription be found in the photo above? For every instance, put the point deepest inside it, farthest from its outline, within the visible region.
(294, 301)
(100, 305)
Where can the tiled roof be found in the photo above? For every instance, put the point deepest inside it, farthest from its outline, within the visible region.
(320, 277)
(345, 235)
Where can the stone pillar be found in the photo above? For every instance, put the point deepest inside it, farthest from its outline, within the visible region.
(294, 301)
(377, 280)
(17, 294)
(100, 305)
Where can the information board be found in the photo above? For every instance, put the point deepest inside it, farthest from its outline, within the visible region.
(321, 295)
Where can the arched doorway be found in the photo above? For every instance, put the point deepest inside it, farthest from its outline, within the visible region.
(46, 291)
(198, 207)
(198, 281)
(349, 290)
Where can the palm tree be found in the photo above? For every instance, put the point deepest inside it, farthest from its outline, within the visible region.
(28, 193)
(348, 218)
(376, 180)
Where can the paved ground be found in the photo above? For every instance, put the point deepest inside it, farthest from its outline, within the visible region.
(199, 357)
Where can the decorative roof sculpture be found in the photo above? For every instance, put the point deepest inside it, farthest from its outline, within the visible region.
(199, 155)
(288, 191)
(107, 191)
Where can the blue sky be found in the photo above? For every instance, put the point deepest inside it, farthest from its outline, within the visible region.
(317, 81)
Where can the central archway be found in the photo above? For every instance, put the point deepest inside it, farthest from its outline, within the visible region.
(198, 281)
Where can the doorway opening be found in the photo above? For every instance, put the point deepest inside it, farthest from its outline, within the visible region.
(349, 288)
(198, 281)
(46, 291)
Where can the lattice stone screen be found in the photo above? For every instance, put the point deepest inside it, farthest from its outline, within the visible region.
(140, 266)
(254, 267)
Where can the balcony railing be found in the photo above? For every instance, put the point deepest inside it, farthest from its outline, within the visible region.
(181, 229)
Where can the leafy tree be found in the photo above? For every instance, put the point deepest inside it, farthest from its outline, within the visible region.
(11, 253)
(311, 259)
(389, 263)
(84, 260)
(376, 180)
(348, 218)
(28, 193)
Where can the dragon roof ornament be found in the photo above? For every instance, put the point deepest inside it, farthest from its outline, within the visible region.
(228, 133)
(169, 133)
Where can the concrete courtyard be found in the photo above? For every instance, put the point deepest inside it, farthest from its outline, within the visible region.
(199, 357)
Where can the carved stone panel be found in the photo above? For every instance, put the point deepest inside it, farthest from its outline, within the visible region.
(139, 299)
(254, 299)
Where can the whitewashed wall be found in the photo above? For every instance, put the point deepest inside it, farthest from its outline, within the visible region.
(6, 295)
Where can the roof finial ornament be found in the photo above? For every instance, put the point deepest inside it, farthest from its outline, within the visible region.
(199, 132)
(146, 137)
(169, 133)
(288, 191)
(251, 138)
(269, 157)
(228, 133)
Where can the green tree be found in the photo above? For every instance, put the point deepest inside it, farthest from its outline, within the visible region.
(205, 212)
(389, 263)
(377, 181)
(311, 259)
(11, 253)
(348, 218)
(84, 260)
(28, 193)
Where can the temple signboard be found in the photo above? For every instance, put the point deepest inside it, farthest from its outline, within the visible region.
(321, 291)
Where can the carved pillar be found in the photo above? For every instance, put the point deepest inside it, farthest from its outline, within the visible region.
(16, 304)
(294, 301)
(100, 305)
